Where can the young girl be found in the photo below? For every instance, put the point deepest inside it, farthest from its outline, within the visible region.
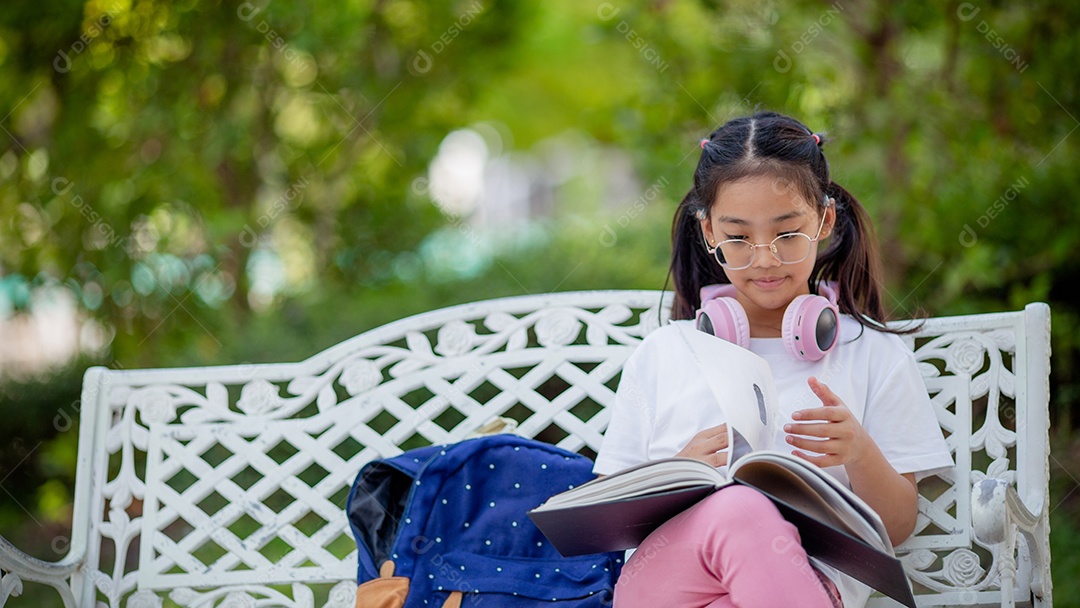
(749, 231)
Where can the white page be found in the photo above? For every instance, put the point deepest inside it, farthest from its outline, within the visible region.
(652, 477)
(816, 475)
(742, 384)
(854, 509)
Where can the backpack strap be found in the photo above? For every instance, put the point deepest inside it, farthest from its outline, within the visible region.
(387, 591)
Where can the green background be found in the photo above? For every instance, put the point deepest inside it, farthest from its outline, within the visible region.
(218, 182)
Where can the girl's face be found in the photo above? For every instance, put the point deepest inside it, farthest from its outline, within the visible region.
(757, 210)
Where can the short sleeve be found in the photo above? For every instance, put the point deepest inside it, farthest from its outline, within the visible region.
(626, 440)
(901, 419)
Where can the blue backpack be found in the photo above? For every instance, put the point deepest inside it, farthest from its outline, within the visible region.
(445, 526)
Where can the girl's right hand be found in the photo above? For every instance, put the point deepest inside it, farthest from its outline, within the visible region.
(706, 446)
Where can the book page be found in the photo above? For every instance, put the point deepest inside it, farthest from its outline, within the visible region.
(743, 386)
(840, 500)
(652, 477)
(785, 485)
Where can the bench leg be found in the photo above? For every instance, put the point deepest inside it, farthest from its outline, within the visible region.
(997, 516)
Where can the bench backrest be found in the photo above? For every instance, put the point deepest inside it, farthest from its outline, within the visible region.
(229, 483)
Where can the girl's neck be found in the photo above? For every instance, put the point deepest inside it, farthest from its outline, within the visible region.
(764, 322)
(766, 325)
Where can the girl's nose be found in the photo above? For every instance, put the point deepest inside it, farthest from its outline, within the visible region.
(764, 257)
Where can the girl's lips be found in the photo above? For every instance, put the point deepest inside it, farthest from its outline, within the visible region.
(769, 283)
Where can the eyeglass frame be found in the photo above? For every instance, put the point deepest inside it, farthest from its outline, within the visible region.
(771, 244)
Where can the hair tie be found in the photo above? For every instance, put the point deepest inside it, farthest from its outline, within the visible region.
(703, 142)
(817, 138)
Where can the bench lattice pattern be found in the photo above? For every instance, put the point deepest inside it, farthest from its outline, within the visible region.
(226, 486)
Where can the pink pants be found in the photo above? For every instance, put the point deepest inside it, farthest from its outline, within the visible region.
(731, 549)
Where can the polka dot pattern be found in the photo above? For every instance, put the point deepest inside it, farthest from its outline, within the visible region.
(466, 529)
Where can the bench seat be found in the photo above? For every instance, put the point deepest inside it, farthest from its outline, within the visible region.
(226, 486)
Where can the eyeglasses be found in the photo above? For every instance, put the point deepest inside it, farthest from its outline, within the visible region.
(791, 248)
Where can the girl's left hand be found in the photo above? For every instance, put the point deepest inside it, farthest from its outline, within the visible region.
(839, 439)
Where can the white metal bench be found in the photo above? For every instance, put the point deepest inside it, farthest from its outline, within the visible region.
(226, 486)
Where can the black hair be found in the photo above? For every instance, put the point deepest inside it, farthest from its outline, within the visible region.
(778, 146)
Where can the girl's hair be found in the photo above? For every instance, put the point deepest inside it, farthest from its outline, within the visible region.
(782, 148)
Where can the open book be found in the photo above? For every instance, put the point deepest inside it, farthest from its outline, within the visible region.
(618, 511)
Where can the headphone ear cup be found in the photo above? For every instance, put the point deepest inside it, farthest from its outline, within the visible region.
(811, 327)
(725, 319)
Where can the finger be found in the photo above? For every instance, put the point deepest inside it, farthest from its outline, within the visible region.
(711, 431)
(821, 461)
(818, 446)
(713, 444)
(823, 392)
(828, 430)
(718, 459)
(828, 413)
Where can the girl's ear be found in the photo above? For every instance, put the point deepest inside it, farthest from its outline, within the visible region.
(706, 230)
(830, 218)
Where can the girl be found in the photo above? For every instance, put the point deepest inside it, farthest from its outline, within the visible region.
(749, 231)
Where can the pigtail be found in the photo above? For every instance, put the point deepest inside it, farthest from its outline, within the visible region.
(691, 265)
(852, 260)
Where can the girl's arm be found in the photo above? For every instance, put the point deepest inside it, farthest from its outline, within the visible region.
(895, 497)
(841, 440)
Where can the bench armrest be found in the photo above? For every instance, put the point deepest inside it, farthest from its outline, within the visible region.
(997, 514)
(16, 566)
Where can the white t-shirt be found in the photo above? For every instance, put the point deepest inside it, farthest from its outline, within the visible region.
(662, 402)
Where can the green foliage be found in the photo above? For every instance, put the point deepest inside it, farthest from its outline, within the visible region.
(37, 455)
(1065, 519)
(157, 155)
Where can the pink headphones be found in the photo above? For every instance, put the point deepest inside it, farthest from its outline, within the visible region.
(810, 329)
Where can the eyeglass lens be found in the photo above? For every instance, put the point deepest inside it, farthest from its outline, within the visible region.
(787, 249)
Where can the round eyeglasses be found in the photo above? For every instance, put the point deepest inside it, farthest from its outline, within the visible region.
(791, 248)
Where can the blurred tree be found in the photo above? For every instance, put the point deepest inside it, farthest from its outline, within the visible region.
(222, 182)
